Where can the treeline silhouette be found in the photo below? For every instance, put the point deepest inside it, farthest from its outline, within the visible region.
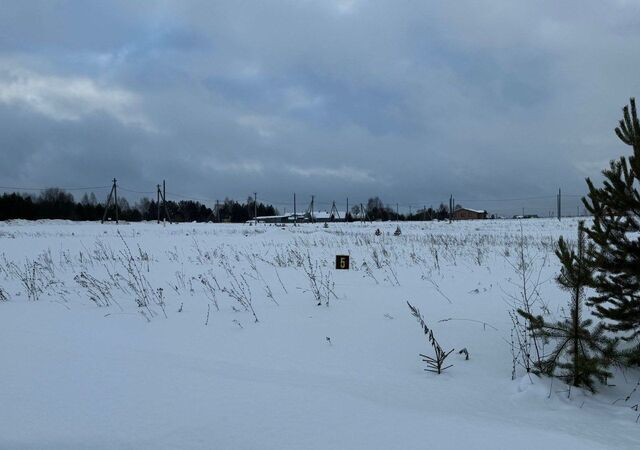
(375, 209)
(54, 203)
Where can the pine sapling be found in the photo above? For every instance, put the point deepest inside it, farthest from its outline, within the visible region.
(582, 353)
(434, 364)
(615, 207)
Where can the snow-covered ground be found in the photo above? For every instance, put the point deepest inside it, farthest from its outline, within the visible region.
(130, 337)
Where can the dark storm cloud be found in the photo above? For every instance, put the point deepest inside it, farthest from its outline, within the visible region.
(409, 100)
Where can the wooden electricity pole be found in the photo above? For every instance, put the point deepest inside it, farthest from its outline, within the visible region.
(162, 194)
(311, 207)
(115, 197)
(346, 213)
(113, 193)
(559, 207)
(334, 211)
(158, 201)
(295, 211)
(255, 207)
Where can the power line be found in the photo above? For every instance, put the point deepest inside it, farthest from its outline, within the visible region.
(136, 192)
(56, 187)
(541, 197)
(280, 203)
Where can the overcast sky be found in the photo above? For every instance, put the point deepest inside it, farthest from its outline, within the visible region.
(408, 100)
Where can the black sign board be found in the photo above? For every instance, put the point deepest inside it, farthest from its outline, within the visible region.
(342, 262)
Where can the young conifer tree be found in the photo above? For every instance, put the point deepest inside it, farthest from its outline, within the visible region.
(582, 353)
(615, 254)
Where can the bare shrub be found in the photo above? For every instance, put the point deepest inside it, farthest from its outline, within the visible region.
(527, 348)
(138, 284)
(99, 291)
(37, 277)
(209, 290)
(238, 289)
(320, 282)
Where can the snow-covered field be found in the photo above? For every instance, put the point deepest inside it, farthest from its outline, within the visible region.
(143, 336)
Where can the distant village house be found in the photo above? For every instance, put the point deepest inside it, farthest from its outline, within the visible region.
(469, 214)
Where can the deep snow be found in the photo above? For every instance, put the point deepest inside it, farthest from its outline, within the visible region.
(346, 376)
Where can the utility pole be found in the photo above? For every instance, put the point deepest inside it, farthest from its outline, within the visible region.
(397, 213)
(346, 213)
(361, 213)
(424, 213)
(217, 211)
(112, 193)
(115, 196)
(158, 201)
(162, 194)
(295, 211)
(312, 200)
(450, 208)
(334, 211)
(559, 208)
(255, 207)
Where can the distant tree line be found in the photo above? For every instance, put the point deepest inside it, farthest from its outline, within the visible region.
(375, 209)
(56, 203)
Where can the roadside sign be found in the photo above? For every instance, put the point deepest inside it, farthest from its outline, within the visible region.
(342, 262)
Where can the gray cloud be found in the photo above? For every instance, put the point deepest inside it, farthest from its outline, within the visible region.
(407, 100)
